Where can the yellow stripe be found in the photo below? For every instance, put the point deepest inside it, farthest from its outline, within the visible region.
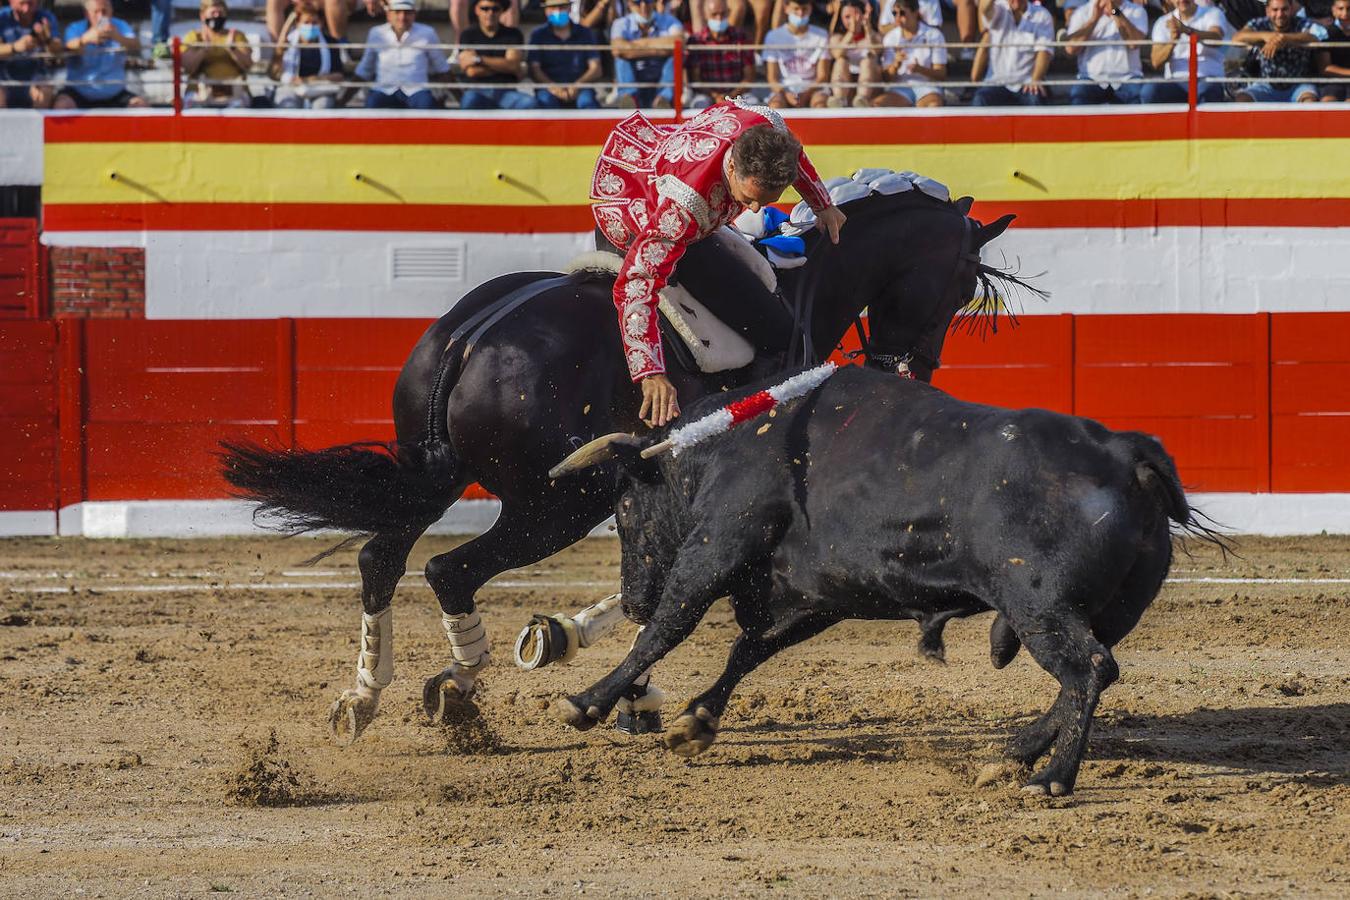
(290, 173)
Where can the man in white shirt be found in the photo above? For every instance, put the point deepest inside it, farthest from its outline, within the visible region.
(1105, 72)
(915, 56)
(1020, 35)
(400, 59)
(797, 59)
(1172, 50)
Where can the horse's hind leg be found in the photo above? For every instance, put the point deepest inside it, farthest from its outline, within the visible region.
(383, 560)
(524, 533)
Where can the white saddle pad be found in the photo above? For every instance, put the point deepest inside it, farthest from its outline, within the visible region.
(714, 345)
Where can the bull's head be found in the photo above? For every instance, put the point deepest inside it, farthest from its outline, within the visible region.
(649, 517)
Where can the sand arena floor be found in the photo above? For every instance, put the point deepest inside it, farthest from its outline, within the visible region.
(156, 691)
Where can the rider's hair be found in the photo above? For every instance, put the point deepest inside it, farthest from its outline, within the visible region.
(767, 155)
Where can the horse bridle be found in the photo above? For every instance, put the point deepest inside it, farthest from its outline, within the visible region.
(902, 363)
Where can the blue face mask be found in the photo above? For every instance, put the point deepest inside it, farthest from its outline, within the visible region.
(798, 21)
(558, 17)
(718, 26)
(309, 32)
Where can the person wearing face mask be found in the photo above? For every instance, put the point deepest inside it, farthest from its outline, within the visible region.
(563, 75)
(797, 60)
(310, 67)
(717, 70)
(659, 191)
(219, 58)
(643, 45)
(1335, 62)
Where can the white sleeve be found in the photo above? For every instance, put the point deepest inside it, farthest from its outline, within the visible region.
(1160, 35)
(998, 16)
(1137, 15)
(1045, 32)
(939, 51)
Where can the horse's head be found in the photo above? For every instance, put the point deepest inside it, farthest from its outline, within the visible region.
(945, 283)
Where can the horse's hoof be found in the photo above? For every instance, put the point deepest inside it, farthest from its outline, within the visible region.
(692, 733)
(444, 697)
(547, 639)
(567, 712)
(350, 715)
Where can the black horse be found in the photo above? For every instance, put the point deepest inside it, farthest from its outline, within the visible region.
(497, 395)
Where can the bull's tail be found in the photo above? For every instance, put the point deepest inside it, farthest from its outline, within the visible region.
(366, 488)
(1156, 474)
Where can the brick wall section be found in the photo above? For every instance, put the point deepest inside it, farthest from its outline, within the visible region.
(98, 282)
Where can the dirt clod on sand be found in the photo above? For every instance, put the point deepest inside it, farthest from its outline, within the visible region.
(265, 779)
(466, 731)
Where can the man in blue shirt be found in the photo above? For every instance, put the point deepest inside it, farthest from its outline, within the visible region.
(643, 43)
(563, 73)
(26, 30)
(97, 76)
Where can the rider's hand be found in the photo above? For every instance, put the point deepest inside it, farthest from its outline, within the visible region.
(830, 220)
(659, 403)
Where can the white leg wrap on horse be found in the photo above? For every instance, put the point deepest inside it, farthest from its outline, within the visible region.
(652, 697)
(597, 620)
(375, 662)
(468, 647)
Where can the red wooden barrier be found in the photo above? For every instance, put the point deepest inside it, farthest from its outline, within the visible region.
(1310, 402)
(21, 277)
(1199, 382)
(1030, 365)
(28, 423)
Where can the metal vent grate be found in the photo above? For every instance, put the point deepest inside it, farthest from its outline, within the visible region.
(440, 263)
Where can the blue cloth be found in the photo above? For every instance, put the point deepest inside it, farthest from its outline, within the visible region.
(1172, 92)
(495, 98)
(773, 219)
(161, 17)
(1265, 92)
(23, 67)
(98, 72)
(585, 100)
(562, 66)
(626, 72)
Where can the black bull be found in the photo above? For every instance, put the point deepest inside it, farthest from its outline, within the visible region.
(879, 498)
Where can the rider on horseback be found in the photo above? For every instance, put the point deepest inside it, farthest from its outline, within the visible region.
(660, 189)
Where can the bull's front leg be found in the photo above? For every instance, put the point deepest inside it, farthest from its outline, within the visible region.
(673, 621)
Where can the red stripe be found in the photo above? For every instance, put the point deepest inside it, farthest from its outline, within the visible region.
(1218, 212)
(749, 407)
(315, 217)
(457, 128)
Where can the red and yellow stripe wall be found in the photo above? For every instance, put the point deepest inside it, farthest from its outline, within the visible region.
(1206, 255)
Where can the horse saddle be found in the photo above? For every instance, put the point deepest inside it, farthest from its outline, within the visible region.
(713, 345)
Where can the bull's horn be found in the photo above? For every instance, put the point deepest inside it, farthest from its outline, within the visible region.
(594, 453)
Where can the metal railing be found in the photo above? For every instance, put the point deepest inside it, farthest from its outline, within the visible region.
(682, 53)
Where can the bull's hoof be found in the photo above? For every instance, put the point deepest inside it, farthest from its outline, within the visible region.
(635, 723)
(568, 713)
(445, 700)
(692, 733)
(1046, 786)
(350, 714)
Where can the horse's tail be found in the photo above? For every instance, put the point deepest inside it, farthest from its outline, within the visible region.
(369, 487)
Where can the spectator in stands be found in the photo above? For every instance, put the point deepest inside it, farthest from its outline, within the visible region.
(218, 57)
(1281, 42)
(1336, 62)
(1172, 50)
(336, 13)
(563, 75)
(491, 70)
(857, 57)
(1019, 55)
(400, 77)
(643, 44)
(914, 59)
(26, 30)
(796, 59)
(717, 74)
(930, 13)
(459, 13)
(309, 68)
(97, 76)
(1106, 74)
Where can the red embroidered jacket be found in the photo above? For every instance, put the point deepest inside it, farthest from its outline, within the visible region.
(659, 188)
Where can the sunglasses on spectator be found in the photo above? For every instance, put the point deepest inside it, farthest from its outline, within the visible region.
(489, 7)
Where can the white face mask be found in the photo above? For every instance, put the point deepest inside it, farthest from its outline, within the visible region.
(798, 21)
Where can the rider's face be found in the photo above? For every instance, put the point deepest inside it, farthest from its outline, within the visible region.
(748, 192)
